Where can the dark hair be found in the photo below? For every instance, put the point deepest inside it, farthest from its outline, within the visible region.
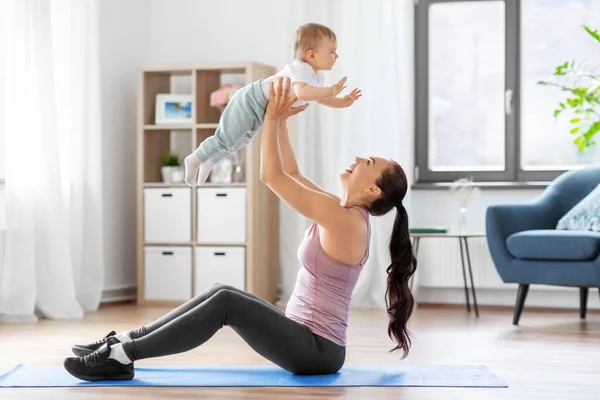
(399, 299)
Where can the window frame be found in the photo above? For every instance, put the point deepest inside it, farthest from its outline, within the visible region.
(513, 171)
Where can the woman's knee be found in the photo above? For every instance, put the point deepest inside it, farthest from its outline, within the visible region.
(220, 286)
(226, 295)
(213, 290)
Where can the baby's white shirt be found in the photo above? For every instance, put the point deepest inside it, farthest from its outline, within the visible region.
(297, 71)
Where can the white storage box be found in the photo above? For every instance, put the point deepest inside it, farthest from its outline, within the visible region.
(225, 265)
(168, 215)
(221, 215)
(167, 273)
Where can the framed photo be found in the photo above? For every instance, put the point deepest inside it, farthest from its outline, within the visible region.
(173, 109)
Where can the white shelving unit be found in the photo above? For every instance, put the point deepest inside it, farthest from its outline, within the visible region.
(189, 239)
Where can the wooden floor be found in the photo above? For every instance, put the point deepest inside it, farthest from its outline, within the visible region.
(552, 355)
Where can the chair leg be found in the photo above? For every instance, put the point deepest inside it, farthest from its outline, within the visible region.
(583, 298)
(521, 296)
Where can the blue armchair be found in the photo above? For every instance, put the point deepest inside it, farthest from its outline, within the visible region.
(527, 249)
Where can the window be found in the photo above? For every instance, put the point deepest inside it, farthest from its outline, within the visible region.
(479, 110)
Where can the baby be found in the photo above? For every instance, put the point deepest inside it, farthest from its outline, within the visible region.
(314, 51)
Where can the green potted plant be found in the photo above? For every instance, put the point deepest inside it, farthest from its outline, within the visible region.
(581, 81)
(171, 168)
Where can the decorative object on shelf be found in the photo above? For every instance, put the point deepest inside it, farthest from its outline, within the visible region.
(171, 168)
(177, 175)
(220, 97)
(465, 189)
(239, 171)
(581, 80)
(221, 172)
(174, 109)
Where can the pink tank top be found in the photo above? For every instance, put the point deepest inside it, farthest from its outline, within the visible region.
(321, 297)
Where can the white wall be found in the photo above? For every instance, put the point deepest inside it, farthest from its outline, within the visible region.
(2, 207)
(135, 33)
(439, 262)
(191, 31)
(440, 273)
(440, 207)
(123, 33)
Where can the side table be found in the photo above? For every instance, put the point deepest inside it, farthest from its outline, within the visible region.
(463, 240)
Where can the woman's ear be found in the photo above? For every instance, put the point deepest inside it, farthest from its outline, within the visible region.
(373, 192)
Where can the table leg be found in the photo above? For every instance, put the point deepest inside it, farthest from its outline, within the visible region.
(462, 259)
(471, 275)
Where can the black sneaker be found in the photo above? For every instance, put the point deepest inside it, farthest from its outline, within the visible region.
(81, 350)
(98, 367)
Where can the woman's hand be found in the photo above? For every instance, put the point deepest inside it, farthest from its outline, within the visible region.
(280, 105)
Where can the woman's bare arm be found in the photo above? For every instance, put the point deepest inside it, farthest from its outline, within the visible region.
(290, 165)
(313, 204)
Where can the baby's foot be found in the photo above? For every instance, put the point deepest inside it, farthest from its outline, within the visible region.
(204, 171)
(196, 168)
(192, 164)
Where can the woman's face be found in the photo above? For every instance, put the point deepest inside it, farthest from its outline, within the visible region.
(358, 180)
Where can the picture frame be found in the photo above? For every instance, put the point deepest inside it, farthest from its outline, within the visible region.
(174, 109)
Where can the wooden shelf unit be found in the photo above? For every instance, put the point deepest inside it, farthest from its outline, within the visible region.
(150, 127)
(153, 141)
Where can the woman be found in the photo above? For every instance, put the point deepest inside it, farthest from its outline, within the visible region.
(310, 337)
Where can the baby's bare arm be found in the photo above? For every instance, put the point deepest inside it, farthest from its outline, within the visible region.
(307, 92)
(333, 102)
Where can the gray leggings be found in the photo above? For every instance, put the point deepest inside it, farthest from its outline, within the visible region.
(284, 342)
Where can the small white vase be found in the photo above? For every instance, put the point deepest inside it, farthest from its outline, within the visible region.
(463, 210)
(462, 219)
(166, 173)
(177, 175)
(221, 172)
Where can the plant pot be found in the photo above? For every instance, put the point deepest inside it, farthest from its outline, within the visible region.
(177, 175)
(166, 173)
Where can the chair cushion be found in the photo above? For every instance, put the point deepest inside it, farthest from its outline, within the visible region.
(585, 215)
(554, 245)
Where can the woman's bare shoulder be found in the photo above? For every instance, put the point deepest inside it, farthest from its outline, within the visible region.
(353, 220)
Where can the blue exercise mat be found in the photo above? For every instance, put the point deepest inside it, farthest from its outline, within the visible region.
(266, 376)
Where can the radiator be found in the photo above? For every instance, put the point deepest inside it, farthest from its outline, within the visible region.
(439, 264)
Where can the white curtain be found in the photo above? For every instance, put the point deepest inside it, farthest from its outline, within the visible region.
(375, 45)
(52, 263)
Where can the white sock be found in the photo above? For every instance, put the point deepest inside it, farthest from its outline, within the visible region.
(123, 337)
(192, 164)
(203, 172)
(117, 353)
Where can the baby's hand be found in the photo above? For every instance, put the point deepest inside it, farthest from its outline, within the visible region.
(338, 87)
(349, 99)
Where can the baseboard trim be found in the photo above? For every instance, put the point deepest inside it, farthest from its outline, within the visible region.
(542, 297)
(119, 293)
